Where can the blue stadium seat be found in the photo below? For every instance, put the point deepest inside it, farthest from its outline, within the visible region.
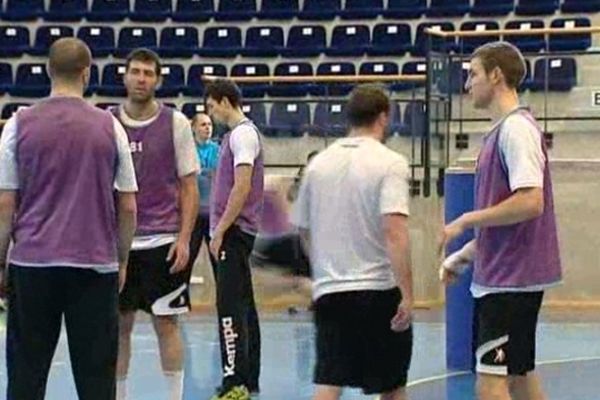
(492, 8)
(191, 109)
(173, 80)
(361, 9)
(257, 113)
(467, 44)
(305, 41)
(453, 79)
(94, 82)
(390, 40)
(349, 41)
(278, 9)
(288, 119)
(100, 39)
(580, 6)
(411, 68)
(66, 10)
(437, 43)
(320, 10)
(329, 119)
(6, 78)
(14, 41)
(251, 71)
(236, 10)
(414, 120)
(31, 81)
(405, 9)
(224, 41)
(10, 108)
(151, 10)
(289, 89)
(180, 41)
(23, 10)
(536, 7)
(558, 42)
(527, 83)
(378, 68)
(112, 81)
(109, 10)
(263, 41)
(448, 8)
(195, 85)
(334, 69)
(46, 35)
(131, 38)
(526, 43)
(562, 74)
(194, 10)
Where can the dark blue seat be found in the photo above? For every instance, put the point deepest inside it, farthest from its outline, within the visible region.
(468, 44)
(292, 89)
(263, 41)
(558, 42)
(278, 9)
(580, 6)
(536, 7)
(257, 113)
(46, 35)
(414, 120)
(320, 10)
(181, 41)
(32, 80)
(405, 9)
(94, 82)
(349, 41)
(66, 10)
(23, 10)
(112, 81)
(448, 8)
(361, 9)
(329, 119)
(173, 80)
(6, 78)
(334, 69)
(109, 10)
(236, 10)
(193, 10)
(390, 40)
(305, 41)
(561, 75)
(191, 109)
(131, 38)
(526, 43)
(100, 39)
(437, 43)
(225, 41)
(492, 8)
(452, 80)
(288, 119)
(151, 10)
(14, 41)
(195, 85)
(251, 70)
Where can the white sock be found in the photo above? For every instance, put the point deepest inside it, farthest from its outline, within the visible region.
(122, 388)
(175, 384)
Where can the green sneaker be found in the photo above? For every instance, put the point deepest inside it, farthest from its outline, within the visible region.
(235, 393)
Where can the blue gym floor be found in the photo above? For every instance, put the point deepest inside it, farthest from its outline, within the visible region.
(568, 354)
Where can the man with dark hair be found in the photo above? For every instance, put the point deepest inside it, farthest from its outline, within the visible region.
(234, 221)
(359, 252)
(61, 161)
(166, 164)
(515, 247)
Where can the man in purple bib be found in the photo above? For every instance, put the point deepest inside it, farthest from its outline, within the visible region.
(61, 161)
(235, 210)
(166, 164)
(515, 250)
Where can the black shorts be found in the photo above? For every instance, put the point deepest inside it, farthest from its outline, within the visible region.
(151, 287)
(506, 325)
(355, 344)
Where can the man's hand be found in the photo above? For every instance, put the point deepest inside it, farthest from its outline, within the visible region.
(447, 277)
(180, 251)
(215, 244)
(403, 318)
(451, 232)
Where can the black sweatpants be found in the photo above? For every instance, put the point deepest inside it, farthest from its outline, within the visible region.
(239, 330)
(38, 298)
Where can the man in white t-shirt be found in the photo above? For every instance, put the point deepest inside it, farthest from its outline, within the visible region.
(352, 213)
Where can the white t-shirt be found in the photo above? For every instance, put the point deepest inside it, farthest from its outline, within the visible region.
(187, 161)
(244, 144)
(520, 146)
(345, 193)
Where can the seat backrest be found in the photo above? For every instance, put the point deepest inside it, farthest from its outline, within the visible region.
(133, 37)
(306, 36)
(264, 36)
(110, 5)
(391, 34)
(378, 68)
(46, 35)
(363, 4)
(112, 74)
(350, 36)
(293, 68)
(225, 36)
(321, 5)
(172, 75)
(181, 36)
(13, 36)
(32, 75)
(195, 5)
(196, 72)
(97, 36)
(152, 5)
(238, 5)
(256, 112)
(290, 114)
(336, 68)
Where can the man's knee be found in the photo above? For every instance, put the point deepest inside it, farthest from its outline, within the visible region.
(166, 326)
(126, 323)
(491, 387)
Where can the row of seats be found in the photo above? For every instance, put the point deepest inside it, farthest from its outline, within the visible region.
(302, 41)
(32, 79)
(293, 119)
(561, 73)
(245, 10)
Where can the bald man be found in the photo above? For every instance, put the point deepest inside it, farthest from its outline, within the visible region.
(67, 200)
